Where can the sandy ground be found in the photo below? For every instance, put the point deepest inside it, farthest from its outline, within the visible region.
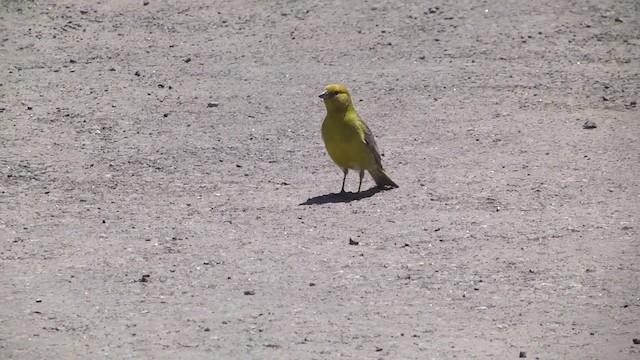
(165, 193)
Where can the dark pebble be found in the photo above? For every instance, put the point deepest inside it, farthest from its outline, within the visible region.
(165, 115)
(636, 341)
(249, 292)
(145, 3)
(187, 60)
(589, 125)
(522, 354)
(353, 242)
(212, 104)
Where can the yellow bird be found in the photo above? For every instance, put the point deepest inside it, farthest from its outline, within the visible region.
(348, 140)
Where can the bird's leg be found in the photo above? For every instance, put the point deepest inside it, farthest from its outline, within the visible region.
(345, 171)
(361, 176)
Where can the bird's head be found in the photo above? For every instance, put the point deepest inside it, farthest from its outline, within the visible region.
(336, 97)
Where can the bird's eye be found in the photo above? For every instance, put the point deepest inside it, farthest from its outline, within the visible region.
(333, 93)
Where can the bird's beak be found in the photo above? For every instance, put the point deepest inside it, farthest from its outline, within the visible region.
(324, 95)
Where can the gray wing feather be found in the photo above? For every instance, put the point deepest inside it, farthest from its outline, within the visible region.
(371, 144)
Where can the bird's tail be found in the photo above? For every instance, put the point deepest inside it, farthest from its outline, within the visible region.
(382, 179)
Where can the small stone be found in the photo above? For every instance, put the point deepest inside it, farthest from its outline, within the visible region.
(589, 125)
(618, 20)
(145, 3)
(165, 115)
(213, 104)
(187, 60)
(605, 98)
(353, 242)
(523, 354)
(636, 341)
(249, 292)
(137, 73)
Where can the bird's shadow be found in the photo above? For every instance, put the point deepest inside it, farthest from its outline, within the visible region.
(344, 197)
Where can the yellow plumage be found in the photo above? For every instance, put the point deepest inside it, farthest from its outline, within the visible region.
(348, 140)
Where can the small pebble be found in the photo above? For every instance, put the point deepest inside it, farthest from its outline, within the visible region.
(249, 292)
(589, 125)
(523, 354)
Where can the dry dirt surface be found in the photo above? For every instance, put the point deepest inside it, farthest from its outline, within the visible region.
(165, 192)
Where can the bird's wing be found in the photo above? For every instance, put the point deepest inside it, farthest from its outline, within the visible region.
(370, 141)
